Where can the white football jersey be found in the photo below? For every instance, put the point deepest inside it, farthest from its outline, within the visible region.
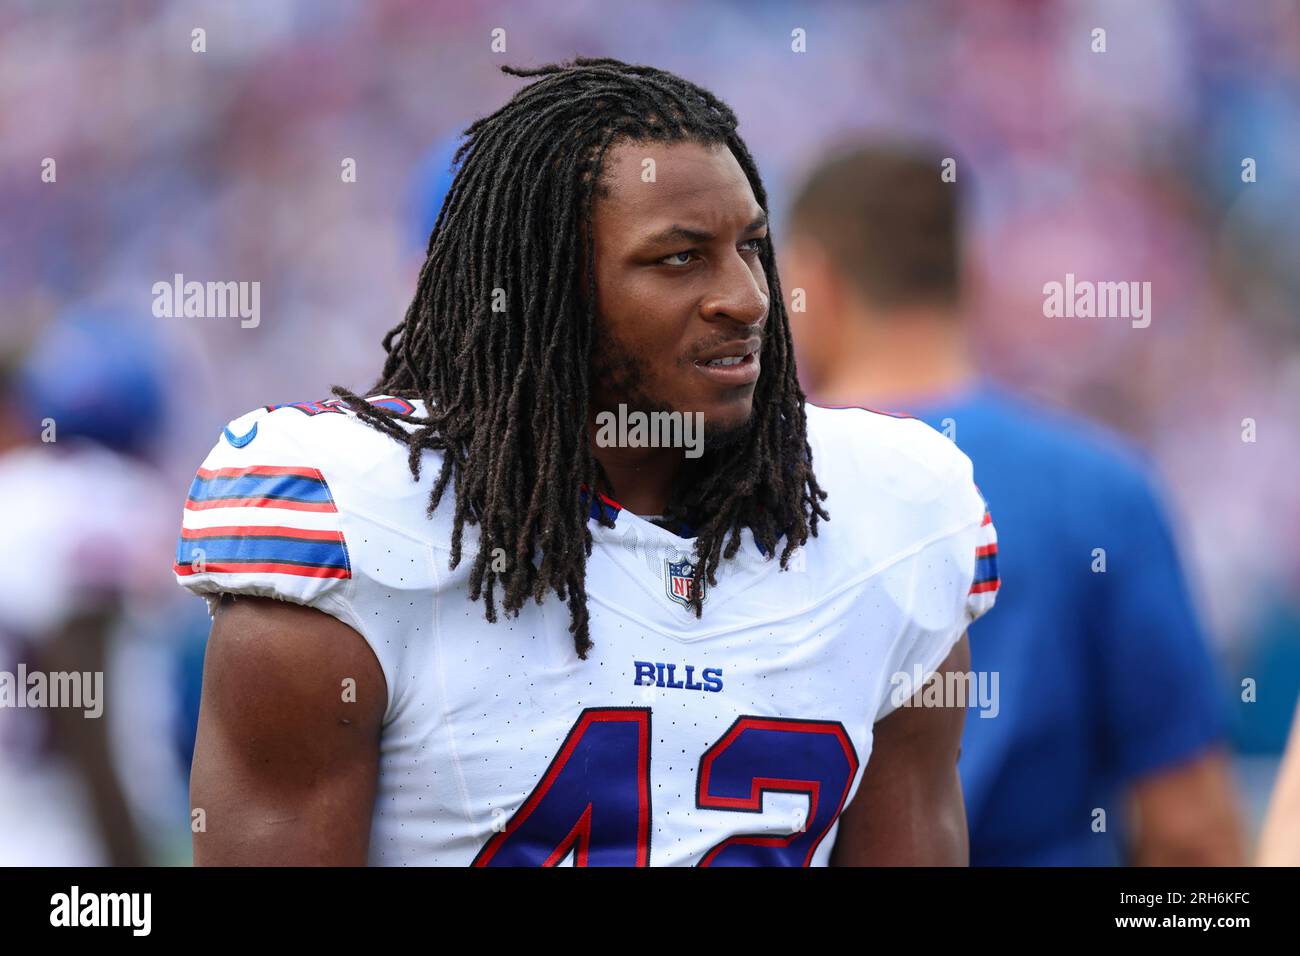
(733, 739)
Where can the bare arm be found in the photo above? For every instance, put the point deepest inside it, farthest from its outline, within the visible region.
(1187, 816)
(285, 762)
(82, 644)
(908, 810)
(1279, 840)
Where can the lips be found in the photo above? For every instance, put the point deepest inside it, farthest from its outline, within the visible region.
(735, 352)
(732, 365)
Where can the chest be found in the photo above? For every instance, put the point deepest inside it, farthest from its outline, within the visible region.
(729, 746)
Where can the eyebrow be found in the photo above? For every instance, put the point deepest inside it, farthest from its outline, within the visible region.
(686, 234)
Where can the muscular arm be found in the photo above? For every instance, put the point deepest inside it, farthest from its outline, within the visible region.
(908, 810)
(1187, 816)
(285, 762)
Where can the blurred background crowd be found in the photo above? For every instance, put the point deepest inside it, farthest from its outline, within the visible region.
(225, 165)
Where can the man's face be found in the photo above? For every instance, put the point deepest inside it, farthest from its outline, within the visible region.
(679, 285)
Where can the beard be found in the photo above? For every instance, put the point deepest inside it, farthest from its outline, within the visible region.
(718, 435)
(619, 371)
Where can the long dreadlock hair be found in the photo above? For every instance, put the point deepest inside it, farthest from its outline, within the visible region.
(506, 395)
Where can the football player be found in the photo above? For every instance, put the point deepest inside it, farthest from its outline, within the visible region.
(452, 627)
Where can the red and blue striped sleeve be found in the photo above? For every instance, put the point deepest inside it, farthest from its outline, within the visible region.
(985, 581)
(260, 520)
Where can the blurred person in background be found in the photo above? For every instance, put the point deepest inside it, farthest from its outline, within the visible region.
(86, 526)
(1107, 690)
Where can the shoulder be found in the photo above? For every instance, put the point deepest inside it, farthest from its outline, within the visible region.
(302, 502)
(316, 458)
(879, 464)
(308, 504)
(326, 431)
(1097, 470)
(898, 492)
(906, 515)
(1060, 438)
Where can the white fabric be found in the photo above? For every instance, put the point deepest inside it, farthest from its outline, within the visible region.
(478, 712)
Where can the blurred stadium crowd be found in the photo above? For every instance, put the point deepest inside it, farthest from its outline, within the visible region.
(225, 165)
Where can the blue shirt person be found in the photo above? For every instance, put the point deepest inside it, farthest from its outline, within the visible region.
(1104, 674)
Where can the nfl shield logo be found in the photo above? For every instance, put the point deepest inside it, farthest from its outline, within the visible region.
(678, 581)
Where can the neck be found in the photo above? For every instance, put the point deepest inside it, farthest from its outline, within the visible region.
(901, 357)
(641, 479)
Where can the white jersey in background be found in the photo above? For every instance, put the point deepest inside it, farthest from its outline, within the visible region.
(732, 739)
(82, 524)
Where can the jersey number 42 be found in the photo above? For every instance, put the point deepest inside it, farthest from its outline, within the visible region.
(594, 799)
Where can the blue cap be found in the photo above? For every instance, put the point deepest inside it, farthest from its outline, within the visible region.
(98, 375)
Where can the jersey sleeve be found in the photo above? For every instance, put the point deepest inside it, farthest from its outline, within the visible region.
(985, 581)
(261, 518)
(953, 581)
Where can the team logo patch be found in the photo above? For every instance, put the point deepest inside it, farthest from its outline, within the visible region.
(677, 581)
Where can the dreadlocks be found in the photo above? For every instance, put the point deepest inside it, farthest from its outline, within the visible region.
(506, 395)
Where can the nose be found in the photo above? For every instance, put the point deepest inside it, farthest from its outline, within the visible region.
(740, 293)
